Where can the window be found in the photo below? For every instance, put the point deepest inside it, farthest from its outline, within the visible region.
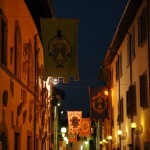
(120, 111)
(131, 101)
(30, 76)
(3, 39)
(119, 67)
(23, 95)
(128, 104)
(143, 91)
(29, 143)
(17, 141)
(17, 59)
(142, 27)
(36, 144)
(131, 46)
(12, 87)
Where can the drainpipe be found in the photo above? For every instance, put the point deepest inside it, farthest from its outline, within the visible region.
(110, 99)
(119, 97)
(36, 50)
(55, 127)
(118, 68)
(98, 135)
(130, 64)
(148, 28)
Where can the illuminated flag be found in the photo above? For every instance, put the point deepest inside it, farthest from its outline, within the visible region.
(59, 39)
(85, 129)
(99, 103)
(74, 121)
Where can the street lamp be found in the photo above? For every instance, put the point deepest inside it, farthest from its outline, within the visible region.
(133, 125)
(109, 137)
(63, 131)
(136, 131)
(119, 133)
(121, 136)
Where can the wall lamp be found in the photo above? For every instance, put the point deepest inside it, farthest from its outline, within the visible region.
(122, 136)
(136, 131)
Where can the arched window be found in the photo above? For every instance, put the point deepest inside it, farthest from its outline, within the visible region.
(17, 40)
(30, 77)
(3, 39)
(3, 139)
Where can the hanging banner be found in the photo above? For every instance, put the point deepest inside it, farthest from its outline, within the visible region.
(99, 103)
(72, 137)
(85, 129)
(59, 39)
(74, 121)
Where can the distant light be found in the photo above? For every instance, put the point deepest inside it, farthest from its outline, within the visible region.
(81, 147)
(106, 92)
(58, 104)
(86, 142)
(104, 141)
(109, 137)
(119, 132)
(65, 138)
(62, 112)
(55, 81)
(133, 125)
(63, 130)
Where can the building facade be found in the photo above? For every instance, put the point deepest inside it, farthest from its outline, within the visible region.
(25, 105)
(126, 71)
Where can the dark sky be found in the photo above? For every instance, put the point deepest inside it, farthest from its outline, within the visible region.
(98, 20)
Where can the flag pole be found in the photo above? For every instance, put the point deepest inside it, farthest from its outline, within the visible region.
(98, 135)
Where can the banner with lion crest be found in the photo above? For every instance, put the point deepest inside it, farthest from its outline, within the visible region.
(99, 103)
(74, 121)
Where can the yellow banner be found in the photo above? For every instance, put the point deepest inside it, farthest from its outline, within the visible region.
(59, 39)
(85, 129)
(74, 121)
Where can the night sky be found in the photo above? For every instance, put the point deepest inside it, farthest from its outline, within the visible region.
(98, 20)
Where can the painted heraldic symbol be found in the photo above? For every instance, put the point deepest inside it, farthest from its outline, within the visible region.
(59, 49)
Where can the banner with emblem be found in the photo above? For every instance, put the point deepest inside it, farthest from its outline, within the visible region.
(74, 121)
(85, 129)
(99, 103)
(72, 137)
(59, 39)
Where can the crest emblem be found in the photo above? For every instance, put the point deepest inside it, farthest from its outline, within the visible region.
(75, 122)
(99, 103)
(85, 126)
(59, 49)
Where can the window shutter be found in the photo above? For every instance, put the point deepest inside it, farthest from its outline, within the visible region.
(143, 91)
(118, 118)
(132, 99)
(128, 104)
(121, 109)
(128, 49)
(142, 27)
